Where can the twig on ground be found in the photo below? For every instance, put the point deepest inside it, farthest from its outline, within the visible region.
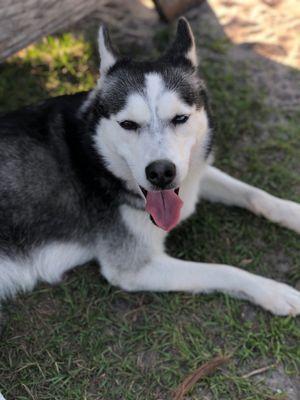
(259, 371)
(201, 372)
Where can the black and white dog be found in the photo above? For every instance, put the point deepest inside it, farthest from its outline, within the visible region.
(105, 175)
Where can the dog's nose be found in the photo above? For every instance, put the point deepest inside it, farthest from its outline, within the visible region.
(161, 173)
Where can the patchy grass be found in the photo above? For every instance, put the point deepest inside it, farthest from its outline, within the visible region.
(87, 340)
(56, 66)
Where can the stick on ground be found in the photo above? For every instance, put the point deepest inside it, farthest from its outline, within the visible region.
(259, 371)
(205, 369)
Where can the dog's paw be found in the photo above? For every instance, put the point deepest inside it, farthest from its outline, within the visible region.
(289, 214)
(280, 211)
(279, 298)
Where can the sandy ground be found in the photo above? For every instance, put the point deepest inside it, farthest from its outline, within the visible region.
(267, 34)
(271, 27)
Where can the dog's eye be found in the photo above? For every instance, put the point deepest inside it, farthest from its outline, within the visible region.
(129, 125)
(180, 119)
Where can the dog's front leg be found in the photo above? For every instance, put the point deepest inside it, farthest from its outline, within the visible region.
(165, 273)
(220, 187)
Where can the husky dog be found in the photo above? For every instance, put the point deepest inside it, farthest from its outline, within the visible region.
(105, 175)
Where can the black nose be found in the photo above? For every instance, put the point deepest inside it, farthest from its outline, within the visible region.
(161, 173)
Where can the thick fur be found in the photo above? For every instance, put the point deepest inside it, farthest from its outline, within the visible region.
(71, 176)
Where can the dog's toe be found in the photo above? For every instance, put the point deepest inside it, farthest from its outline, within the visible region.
(282, 299)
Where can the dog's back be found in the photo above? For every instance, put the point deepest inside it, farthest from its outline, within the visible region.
(39, 192)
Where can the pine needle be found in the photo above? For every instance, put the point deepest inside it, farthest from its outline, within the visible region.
(205, 369)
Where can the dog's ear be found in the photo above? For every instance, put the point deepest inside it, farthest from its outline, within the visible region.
(183, 44)
(107, 54)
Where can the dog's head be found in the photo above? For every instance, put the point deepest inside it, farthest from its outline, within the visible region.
(153, 126)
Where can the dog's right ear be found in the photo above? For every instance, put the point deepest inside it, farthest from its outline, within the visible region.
(107, 55)
(183, 44)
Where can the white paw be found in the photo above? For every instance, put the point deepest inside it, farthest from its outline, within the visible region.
(289, 214)
(280, 211)
(279, 298)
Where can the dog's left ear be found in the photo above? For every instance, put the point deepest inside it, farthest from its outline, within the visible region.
(107, 54)
(184, 43)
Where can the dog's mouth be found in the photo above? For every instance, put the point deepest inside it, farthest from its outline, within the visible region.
(164, 207)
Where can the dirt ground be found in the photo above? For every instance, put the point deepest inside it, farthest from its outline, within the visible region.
(270, 27)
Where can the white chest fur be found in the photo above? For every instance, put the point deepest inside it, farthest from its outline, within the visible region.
(189, 192)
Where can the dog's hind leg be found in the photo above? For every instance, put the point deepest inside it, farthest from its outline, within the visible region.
(217, 186)
(164, 273)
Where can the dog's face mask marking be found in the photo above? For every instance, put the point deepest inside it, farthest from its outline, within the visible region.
(155, 126)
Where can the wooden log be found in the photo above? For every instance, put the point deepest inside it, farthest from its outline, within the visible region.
(24, 21)
(171, 9)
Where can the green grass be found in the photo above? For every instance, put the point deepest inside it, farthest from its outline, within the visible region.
(85, 339)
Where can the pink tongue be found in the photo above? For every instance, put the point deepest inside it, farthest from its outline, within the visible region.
(164, 207)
